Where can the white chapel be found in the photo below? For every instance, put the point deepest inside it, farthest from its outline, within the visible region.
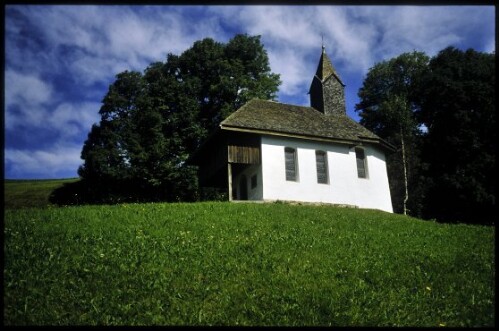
(271, 151)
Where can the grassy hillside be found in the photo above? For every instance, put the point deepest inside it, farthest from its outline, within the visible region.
(243, 264)
(31, 193)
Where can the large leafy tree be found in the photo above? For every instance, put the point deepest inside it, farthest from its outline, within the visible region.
(389, 106)
(440, 114)
(459, 111)
(151, 122)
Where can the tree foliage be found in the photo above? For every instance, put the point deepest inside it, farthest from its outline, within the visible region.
(389, 106)
(459, 111)
(152, 121)
(451, 162)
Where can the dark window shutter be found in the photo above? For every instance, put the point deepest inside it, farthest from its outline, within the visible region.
(320, 161)
(290, 156)
(361, 163)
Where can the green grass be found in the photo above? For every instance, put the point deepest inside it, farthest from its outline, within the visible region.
(31, 193)
(243, 264)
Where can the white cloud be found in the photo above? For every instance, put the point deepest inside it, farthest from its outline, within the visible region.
(356, 37)
(29, 100)
(429, 29)
(73, 120)
(90, 70)
(292, 26)
(347, 40)
(420, 28)
(56, 162)
(292, 68)
(94, 42)
(70, 122)
(25, 98)
(28, 90)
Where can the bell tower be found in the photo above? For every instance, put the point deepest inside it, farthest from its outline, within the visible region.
(327, 91)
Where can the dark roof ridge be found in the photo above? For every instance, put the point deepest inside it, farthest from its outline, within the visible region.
(279, 102)
(296, 106)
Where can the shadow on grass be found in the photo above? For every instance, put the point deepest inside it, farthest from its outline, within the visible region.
(86, 193)
(74, 193)
(97, 192)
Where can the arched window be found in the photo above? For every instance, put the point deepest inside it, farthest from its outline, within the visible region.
(361, 162)
(291, 164)
(321, 165)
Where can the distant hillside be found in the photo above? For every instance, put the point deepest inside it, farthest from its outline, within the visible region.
(31, 193)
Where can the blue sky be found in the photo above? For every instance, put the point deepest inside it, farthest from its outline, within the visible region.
(60, 60)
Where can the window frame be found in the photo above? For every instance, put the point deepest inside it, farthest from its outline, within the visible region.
(287, 161)
(364, 163)
(325, 167)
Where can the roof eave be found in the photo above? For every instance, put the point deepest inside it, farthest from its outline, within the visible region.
(350, 142)
(382, 142)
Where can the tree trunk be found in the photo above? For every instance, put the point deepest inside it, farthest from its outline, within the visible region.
(404, 164)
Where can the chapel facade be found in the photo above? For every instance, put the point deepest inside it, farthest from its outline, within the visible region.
(269, 151)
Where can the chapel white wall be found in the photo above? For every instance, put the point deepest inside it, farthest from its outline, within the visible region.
(344, 186)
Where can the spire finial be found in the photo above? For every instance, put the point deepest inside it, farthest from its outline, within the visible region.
(323, 47)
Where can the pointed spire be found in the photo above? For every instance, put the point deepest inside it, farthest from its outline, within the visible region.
(325, 67)
(327, 93)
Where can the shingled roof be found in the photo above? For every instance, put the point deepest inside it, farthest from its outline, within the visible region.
(274, 118)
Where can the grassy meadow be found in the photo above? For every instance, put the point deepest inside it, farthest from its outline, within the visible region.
(216, 263)
(31, 193)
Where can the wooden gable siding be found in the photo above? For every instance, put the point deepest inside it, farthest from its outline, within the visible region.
(244, 154)
(226, 147)
(243, 148)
